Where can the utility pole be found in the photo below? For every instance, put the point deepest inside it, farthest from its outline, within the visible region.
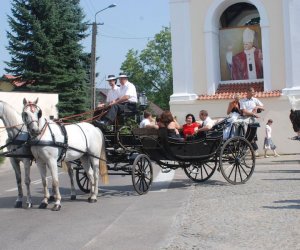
(93, 66)
(93, 58)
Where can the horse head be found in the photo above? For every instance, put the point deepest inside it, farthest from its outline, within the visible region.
(295, 119)
(31, 116)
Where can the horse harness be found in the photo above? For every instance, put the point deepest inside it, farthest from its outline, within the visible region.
(54, 143)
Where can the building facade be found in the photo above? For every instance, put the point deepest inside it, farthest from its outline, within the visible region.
(206, 38)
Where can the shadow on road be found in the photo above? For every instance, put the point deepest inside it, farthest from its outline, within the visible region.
(295, 204)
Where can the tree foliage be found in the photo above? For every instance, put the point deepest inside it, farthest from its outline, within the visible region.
(45, 49)
(151, 69)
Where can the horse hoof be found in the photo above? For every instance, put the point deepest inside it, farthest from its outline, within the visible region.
(43, 205)
(28, 205)
(51, 198)
(18, 204)
(90, 200)
(56, 207)
(73, 197)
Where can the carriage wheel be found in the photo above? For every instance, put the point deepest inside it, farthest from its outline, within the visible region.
(237, 160)
(200, 171)
(123, 133)
(142, 174)
(82, 180)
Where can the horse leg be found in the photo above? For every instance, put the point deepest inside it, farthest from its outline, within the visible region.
(71, 175)
(17, 169)
(55, 183)
(27, 166)
(90, 173)
(95, 166)
(43, 172)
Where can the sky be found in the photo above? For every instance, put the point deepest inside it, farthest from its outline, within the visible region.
(129, 25)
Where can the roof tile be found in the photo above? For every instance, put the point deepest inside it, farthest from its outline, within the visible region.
(227, 91)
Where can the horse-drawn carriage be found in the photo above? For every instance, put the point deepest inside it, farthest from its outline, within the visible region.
(128, 150)
(132, 151)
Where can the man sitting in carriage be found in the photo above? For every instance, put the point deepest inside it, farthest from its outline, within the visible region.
(113, 93)
(126, 101)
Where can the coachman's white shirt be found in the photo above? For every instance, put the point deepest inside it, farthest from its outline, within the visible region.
(113, 94)
(128, 89)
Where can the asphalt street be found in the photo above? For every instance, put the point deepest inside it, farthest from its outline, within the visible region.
(175, 214)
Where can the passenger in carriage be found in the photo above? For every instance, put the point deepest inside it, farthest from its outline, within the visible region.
(126, 101)
(168, 121)
(251, 107)
(234, 106)
(147, 122)
(113, 93)
(234, 112)
(205, 123)
(190, 127)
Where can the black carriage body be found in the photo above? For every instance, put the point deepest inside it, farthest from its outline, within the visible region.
(160, 147)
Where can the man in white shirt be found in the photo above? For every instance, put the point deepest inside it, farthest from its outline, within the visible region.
(206, 123)
(113, 93)
(251, 106)
(126, 101)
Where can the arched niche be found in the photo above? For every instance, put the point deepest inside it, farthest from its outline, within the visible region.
(211, 34)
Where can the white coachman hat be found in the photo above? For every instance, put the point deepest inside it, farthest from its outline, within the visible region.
(111, 77)
(248, 35)
(123, 75)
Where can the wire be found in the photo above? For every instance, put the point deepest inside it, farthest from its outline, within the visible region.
(134, 38)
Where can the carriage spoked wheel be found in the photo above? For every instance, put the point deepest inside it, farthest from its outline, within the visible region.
(200, 171)
(125, 137)
(82, 180)
(237, 160)
(142, 174)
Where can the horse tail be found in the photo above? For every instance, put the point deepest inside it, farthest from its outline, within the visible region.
(102, 163)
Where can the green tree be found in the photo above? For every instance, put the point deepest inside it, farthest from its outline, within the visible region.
(45, 49)
(151, 70)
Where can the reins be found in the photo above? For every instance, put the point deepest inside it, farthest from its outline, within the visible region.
(13, 126)
(92, 111)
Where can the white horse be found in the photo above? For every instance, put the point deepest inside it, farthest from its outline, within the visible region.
(79, 141)
(16, 132)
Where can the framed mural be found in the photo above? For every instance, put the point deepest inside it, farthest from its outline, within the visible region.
(241, 56)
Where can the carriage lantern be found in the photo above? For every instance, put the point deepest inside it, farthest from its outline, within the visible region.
(143, 100)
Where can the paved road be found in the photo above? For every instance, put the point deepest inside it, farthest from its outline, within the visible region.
(262, 214)
(120, 219)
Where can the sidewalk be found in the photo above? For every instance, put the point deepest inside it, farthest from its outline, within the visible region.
(282, 159)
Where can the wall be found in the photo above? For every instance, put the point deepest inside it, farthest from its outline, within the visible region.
(195, 44)
(6, 86)
(47, 102)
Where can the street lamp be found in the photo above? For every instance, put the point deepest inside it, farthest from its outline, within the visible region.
(93, 57)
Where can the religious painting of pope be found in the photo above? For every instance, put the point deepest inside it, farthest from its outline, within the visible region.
(241, 57)
(247, 64)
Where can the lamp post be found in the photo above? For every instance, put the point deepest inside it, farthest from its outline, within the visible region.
(93, 57)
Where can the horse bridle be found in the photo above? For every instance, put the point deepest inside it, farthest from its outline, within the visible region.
(33, 107)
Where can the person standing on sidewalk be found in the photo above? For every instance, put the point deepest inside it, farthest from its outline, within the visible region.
(268, 143)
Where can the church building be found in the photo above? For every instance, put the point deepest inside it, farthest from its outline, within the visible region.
(223, 47)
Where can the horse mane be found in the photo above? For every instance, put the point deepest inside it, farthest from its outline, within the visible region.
(9, 115)
(295, 119)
